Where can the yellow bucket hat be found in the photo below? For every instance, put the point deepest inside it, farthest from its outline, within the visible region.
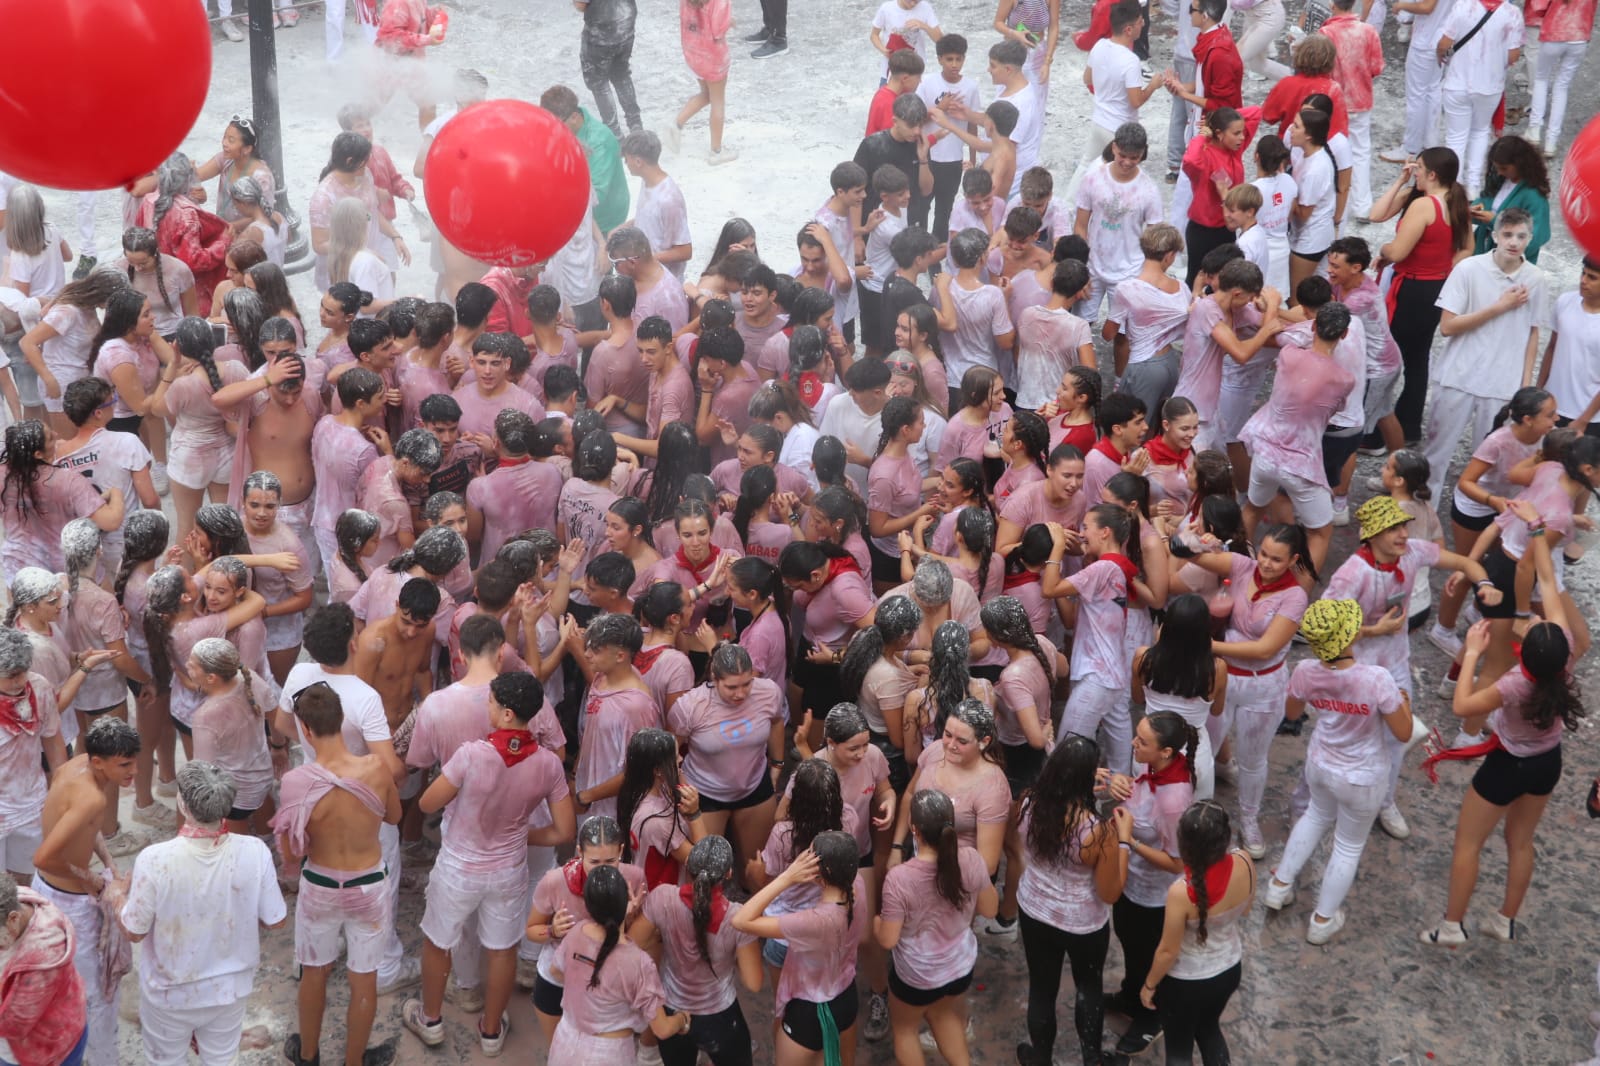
(1330, 626)
(1379, 515)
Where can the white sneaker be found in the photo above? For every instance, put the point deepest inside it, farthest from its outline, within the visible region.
(1393, 822)
(724, 155)
(469, 1000)
(1251, 839)
(1550, 144)
(1535, 133)
(527, 973)
(1470, 613)
(157, 816)
(1445, 934)
(1447, 687)
(158, 471)
(1226, 771)
(674, 137)
(1419, 733)
(123, 842)
(1393, 155)
(166, 789)
(230, 30)
(1322, 932)
(491, 1046)
(410, 974)
(1402, 33)
(1277, 894)
(412, 1018)
(1444, 639)
(1341, 514)
(999, 930)
(1499, 927)
(1465, 739)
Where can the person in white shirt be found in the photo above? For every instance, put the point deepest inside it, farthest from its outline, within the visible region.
(1492, 306)
(1571, 370)
(1311, 220)
(1423, 74)
(856, 418)
(1116, 201)
(1006, 60)
(196, 907)
(1183, 67)
(660, 210)
(1477, 45)
(1112, 76)
(946, 153)
(903, 24)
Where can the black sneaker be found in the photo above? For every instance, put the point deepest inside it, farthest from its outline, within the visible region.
(1138, 1038)
(1286, 728)
(1121, 1003)
(85, 264)
(775, 46)
(763, 34)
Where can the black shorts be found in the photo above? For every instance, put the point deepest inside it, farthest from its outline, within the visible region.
(134, 687)
(1023, 763)
(1315, 257)
(885, 567)
(723, 1036)
(546, 997)
(1505, 777)
(128, 424)
(760, 795)
(96, 713)
(182, 729)
(899, 771)
(1502, 570)
(1591, 430)
(989, 672)
(1468, 521)
(800, 1022)
(819, 683)
(1338, 446)
(236, 815)
(925, 997)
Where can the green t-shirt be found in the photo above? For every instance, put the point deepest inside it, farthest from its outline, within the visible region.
(606, 172)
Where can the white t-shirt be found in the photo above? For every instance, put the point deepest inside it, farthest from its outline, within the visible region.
(1028, 133)
(1487, 361)
(845, 421)
(1314, 179)
(878, 255)
(948, 148)
(1575, 366)
(891, 19)
(662, 215)
(1118, 213)
(371, 274)
(573, 270)
(44, 273)
(1479, 66)
(200, 904)
(1277, 195)
(1115, 70)
(364, 719)
(1257, 248)
(981, 316)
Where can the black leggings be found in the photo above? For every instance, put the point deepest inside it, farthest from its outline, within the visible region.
(1045, 948)
(1139, 931)
(1191, 1015)
(723, 1036)
(1415, 320)
(1198, 240)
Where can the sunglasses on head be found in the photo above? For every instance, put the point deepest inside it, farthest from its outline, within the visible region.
(298, 696)
(244, 122)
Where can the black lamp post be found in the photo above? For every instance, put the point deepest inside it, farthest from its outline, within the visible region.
(269, 144)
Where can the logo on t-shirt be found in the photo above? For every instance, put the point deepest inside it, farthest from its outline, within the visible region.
(1277, 199)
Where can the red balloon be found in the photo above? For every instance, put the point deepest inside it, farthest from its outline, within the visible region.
(507, 182)
(97, 93)
(1580, 188)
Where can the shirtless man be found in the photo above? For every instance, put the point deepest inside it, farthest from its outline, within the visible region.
(330, 810)
(71, 822)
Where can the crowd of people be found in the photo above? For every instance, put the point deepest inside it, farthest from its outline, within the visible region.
(804, 622)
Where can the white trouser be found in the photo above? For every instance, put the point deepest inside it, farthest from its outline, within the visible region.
(1263, 25)
(1360, 205)
(165, 1032)
(1348, 809)
(1451, 413)
(1467, 117)
(1423, 74)
(1256, 706)
(86, 204)
(83, 911)
(1099, 291)
(334, 28)
(1095, 140)
(1094, 709)
(394, 952)
(1559, 60)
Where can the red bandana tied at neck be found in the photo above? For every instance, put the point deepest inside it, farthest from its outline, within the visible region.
(703, 569)
(1285, 580)
(1016, 581)
(20, 713)
(514, 745)
(1109, 450)
(844, 564)
(1364, 553)
(1217, 879)
(1176, 772)
(719, 903)
(647, 658)
(515, 460)
(576, 876)
(1124, 564)
(1163, 454)
(200, 832)
(810, 387)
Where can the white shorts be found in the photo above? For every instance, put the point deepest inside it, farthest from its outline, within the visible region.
(199, 468)
(1313, 506)
(284, 630)
(18, 843)
(454, 895)
(361, 914)
(1379, 398)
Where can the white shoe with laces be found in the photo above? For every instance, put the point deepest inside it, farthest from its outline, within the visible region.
(1250, 838)
(1393, 822)
(491, 1046)
(994, 927)
(1445, 934)
(1277, 895)
(1318, 932)
(1444, 639)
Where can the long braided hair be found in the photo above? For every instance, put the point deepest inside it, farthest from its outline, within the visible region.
(32, 585)
(141, 239)
(948, 675)
(710, 865)
(194, 340)
(605, 894)
(1203, 837)
(174, 178)
(144, 537)
(122, 317)
(351, 532)
(164, 599)
(218, 656)
(1005, 620)
(80, 548)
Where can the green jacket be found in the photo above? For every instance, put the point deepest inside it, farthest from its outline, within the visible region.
(1523, 196)
(606, 172)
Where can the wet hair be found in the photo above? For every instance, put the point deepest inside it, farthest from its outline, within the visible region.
(969, 474)
(419, 448)
(1412, 468)
(1204, 834)
(474, 301)
(121, 317)
(1293, 537)
(439, 503)
(358, 385)
(481, 632)
(1005, 621)
(350, 297)
(438, 550)
(109, 737)
(756, 575)
(933, 816)
(837, 864)
(32, 585)
(614, 631)
(847, 175)
(245, 253)
(807, 349)
(221, 657)
(1173, 732)
(1213, 474)
(1062, 797)
(656, 606)
(632, 511)
(897, 618)
(517, 691)
(709, 866)
(816, 805)
(1546, 652)
(247, 314)
(269, 283)
(1086, 380)
(757, 486)
(1524, 404)
(163, 598)
(80, 547)
(206, 790)
(1180, 662)
(729, 660)
(1004, 116)
(1069, 278)
(605, 895)
(194, 340)
(677, 454)
(1240, 274)
(419, 598)
(134, 239)
(174, 178)
(350, 533)
(843, 722)
(899, 413)
(23, 441)
(1118, 522)
(979, 718)
(932, 584)
(968, 247)
(777, 397)
(223, 528)
(1212, 262)
(144, 537)
(1333, 320)
(1128, 488)
(350, 151)
(16, 650)
(1356, 252)
(367, 333)
(596, 458)
(949, 673)
(611, 570)
(976, 527)
(1115, 410)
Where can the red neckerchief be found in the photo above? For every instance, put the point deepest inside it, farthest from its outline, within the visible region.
(14, 722)
(1470, 751)
(576, 876)
(1364, 553)
(1163, 454)
(1194, 506)
(1286, 580)
(703, 569)
(647, 657)
(1016, 581)
(1109, 450)
(845, 564)
(514, 745)
(1175, 773)
(810, 388)
(1124, 564)
(516, 460)
(719, 903)
(1217, 879)
(200, 832)
(659, 869)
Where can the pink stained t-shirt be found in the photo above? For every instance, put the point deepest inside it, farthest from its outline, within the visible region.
(382, 496)
(937, 944)
(1517, 734)
(417, 383)
(980, 798)
(1098, 654)
(581, 509)
(617, 370)
(627, 997)
(553, 892)
(1013, 479)
(228, 733)
(379, 597)
(1377, 591)
(886, 686)
(93, 620)
(445, 721)
(1155, 814)
(1029, 505)
(197, 424)
(139, 355)
(1286, 434)
(340, 454)
(1500, 450)
(821, 961)
(655, 831)
(1251, 618)
(1048, 344)
(59, 496)
(767, 540)
(610, 719)
(514, 498)
(478, 411)
(22, 780)
(671, 399)
(1062, 892)
(833, 610)
(1023, 684)
(668, 673)
(731, 402)
(768, 644)
(276, 585)
(727, 474)
(1554, 505)
(567, 356)
(1351, 705)
(894, 487)
(967, 439)
(485, 826)
(1200, 374)
(726, 743)
(692, 984)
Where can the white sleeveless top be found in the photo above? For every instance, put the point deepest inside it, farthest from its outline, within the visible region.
(1192, 709)
(1224, 945)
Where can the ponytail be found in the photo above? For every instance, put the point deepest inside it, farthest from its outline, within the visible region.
(605, 894)
(933, 816)
(709, 866)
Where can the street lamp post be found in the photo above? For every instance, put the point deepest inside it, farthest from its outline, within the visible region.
(269, 143)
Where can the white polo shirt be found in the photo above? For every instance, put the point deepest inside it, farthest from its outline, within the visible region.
(1487, 361)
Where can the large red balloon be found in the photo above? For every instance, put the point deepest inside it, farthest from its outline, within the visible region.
(507, 182)
(1580, 188)
(97, 93)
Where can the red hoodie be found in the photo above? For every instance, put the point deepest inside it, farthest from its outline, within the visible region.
(42, 1012)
